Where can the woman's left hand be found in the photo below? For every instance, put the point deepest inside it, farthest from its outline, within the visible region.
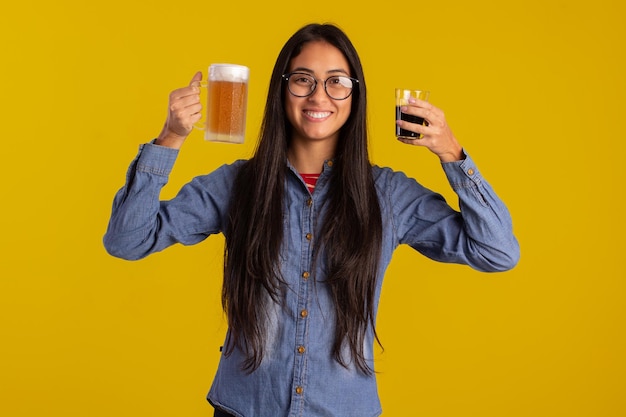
(436, 135)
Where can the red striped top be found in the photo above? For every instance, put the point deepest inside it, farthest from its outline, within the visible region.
(310, 180)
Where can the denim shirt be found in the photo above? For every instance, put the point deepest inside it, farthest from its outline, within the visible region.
(298, 375)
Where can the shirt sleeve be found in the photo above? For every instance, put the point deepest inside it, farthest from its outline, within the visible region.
(480, 235)
(141, 224)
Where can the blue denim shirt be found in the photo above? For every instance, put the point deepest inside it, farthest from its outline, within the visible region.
(298, 375)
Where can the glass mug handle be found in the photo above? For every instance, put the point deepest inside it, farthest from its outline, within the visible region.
(201, 124)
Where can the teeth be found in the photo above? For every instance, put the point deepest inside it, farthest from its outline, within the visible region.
(318, 115)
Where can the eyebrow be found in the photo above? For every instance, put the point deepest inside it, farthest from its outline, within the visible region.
(303, 69)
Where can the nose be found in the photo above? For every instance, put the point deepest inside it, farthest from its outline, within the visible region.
(319, 94)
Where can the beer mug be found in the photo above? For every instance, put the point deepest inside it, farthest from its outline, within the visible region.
(402, 99)
(227, 101)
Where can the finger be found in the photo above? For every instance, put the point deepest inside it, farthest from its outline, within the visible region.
(419, 103)
(186, 101)
(409, 141)
(195, 118)
(195, 109)
(184, 113)
(417, 128)
(425, 110)
(430, 117)
(184, 92)
(195, 81)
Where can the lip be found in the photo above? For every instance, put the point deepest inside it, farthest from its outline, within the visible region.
(316, 115)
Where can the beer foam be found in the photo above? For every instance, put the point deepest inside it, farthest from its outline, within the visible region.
(229, 72)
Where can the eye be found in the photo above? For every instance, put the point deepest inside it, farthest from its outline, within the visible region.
(339, 81)
(302, 79)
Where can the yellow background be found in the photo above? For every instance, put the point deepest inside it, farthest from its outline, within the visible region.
(535, 91)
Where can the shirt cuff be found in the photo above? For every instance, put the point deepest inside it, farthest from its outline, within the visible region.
(155, 159)
(460, 173)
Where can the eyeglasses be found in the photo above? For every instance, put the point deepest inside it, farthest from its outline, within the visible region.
(338, 87)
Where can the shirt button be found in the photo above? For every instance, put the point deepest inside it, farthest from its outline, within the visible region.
(304, 313)
(470, 171)
(301, 349)
(309, 236)
(306, 275)
(299, 390)
(309, 202)
(330, 163)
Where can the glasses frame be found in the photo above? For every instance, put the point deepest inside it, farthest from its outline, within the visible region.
(289, 74)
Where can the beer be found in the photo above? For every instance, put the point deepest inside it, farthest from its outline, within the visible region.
(226, 103)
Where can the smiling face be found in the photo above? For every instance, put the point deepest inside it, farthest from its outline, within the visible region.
(318, 117)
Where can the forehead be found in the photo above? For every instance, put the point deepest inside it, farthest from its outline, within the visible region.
(320, 57)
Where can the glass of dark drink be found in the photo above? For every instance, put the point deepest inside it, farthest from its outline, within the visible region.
(402, 99)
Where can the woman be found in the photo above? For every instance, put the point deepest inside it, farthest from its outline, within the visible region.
(310, 227)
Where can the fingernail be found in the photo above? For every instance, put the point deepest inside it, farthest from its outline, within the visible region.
(403, 108)
(412, 100)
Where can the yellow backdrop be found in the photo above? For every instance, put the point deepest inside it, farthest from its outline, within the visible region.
(534, 89)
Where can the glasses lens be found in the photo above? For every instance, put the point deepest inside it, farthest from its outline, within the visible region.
(301, 85)
(339, 87)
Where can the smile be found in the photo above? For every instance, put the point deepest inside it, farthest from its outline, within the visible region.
(317, 114)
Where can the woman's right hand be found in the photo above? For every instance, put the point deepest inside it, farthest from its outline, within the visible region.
(184, 111)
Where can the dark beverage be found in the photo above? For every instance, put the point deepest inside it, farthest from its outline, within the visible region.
(409, 118)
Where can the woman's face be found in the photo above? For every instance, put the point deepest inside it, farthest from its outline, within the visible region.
(318, 117)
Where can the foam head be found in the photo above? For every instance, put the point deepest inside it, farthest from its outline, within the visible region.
(229, 72)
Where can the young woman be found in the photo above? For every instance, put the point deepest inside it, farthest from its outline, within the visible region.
(310, 227)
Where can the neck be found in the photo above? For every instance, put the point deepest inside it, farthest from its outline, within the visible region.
(309, 157)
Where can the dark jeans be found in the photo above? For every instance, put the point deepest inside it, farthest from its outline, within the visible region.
(220, 413)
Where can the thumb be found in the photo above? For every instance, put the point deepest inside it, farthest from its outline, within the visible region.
(196, 78)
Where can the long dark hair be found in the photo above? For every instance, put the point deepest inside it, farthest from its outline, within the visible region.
(351, 232)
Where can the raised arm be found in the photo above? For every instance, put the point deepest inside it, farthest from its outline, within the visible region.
(140, 222)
